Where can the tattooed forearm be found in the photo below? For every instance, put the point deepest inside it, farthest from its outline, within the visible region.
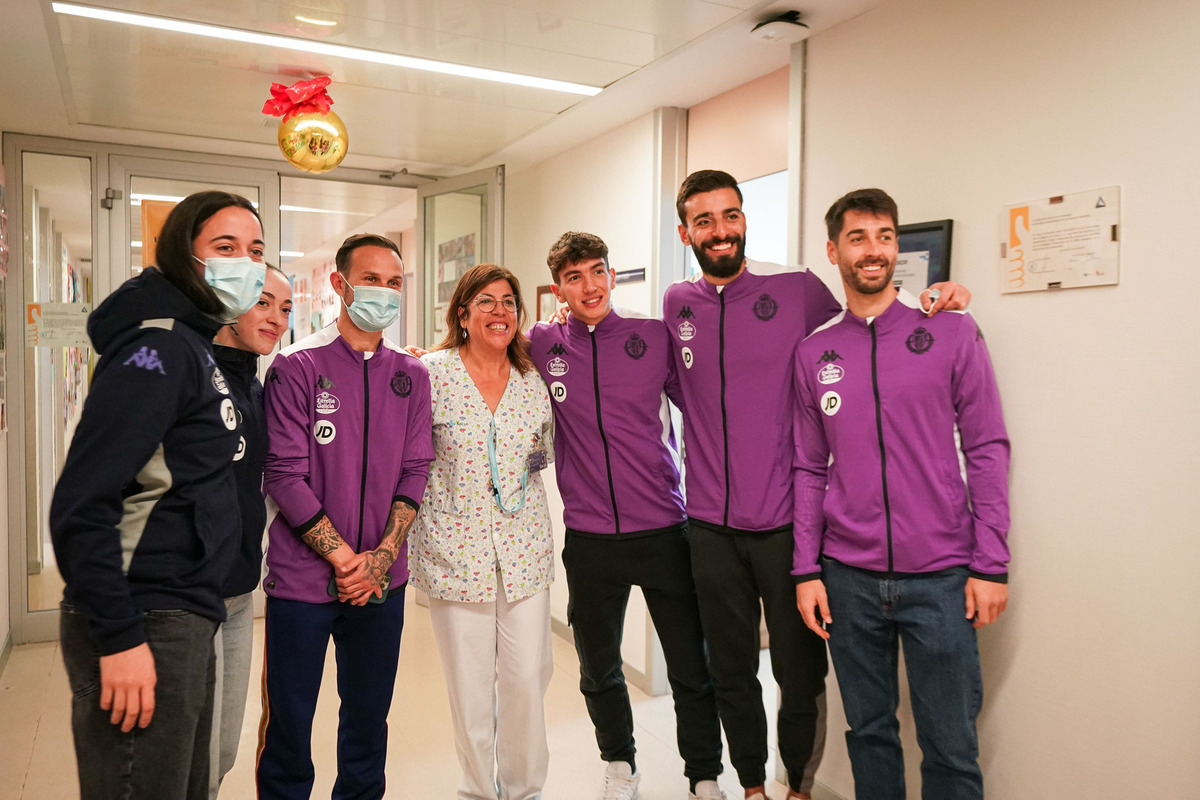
(323, 538)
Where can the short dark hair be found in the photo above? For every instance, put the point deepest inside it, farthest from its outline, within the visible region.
(352, 243)
(173, 252)
(472, 283)
(705, 180)
(869, 201)
(573, 247)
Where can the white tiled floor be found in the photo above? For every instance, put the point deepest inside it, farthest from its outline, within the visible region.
(37, 760)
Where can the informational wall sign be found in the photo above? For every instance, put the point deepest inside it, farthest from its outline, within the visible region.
(1062, 242)
(57, 324)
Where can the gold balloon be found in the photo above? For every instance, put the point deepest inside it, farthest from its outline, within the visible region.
(314, 142)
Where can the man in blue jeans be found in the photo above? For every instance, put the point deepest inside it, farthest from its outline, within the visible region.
(890, 545)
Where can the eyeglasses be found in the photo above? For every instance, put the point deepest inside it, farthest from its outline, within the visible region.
(487, 304)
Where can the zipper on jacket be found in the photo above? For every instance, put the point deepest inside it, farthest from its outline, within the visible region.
(724, 415)
(612, 491)
(887, 505)
(362, 491)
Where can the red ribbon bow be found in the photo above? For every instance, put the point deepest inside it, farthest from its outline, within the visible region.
(302, 97)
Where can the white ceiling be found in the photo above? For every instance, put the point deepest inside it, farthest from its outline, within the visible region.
(92, 80)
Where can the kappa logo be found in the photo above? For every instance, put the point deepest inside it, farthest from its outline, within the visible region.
(978, 333)
(209, 360)
(831, 403)
(272, 376)
(401, 384)
(327, 403)
(325, 383)
(686, 313)
(146, 359)
(828, 357)
(557, 367)
(765, 308)
(830, 373)
(635, 347)
(241, 451)
(558, 391)
(324, 431)
(218, 381)
(228, 414)
(919, 341)
(557, 350)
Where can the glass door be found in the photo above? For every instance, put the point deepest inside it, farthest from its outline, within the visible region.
(76, 215)
(460, 223)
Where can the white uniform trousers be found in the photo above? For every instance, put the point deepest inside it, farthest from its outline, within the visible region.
(497, 660)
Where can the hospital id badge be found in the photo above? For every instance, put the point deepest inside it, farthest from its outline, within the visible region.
(537, 460)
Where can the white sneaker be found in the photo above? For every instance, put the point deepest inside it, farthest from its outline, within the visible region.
(620, 782)
(708, 790)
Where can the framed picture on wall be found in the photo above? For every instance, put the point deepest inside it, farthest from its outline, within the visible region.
(924, 257)
(547, 303)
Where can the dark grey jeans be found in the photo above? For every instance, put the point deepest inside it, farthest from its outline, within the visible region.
(167, 760)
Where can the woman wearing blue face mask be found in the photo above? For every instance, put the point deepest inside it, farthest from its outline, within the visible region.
(144, 517)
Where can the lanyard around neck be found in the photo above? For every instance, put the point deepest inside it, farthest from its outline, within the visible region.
(496, 474)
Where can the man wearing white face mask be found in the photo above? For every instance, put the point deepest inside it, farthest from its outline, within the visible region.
(349, 429)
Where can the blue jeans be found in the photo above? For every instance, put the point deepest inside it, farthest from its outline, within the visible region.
(234, 644)
(872, 615)
(168, 759)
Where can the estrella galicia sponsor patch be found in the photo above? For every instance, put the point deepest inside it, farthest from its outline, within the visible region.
(241, 450)
(557, 350)
(324, 431)
(919, 341)
(635, 346)
(325, 383)
(830, 373)
(558, 391)
(686, 355)
(228, 414)
(218, 381)
(401, 384)
(687, 331)
(147, 359)
(831, 403)
(765, 308)
(557, 367)
(327, 403)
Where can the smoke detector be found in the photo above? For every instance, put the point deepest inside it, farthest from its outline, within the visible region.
(786, 28)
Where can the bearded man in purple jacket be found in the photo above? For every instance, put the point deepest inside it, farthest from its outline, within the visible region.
(734, 330)
(891, 546)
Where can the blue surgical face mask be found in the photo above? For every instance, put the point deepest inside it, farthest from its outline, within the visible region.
(238, 282)
(374, 307)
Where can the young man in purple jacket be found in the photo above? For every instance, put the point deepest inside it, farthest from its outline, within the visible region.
(734, 330)
(349, 424)
(610, 375)
(898, 549)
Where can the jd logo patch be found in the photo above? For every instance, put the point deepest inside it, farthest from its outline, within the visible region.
(919, 341)
(765, 308)
(635, 347)
(241, 451)
(324, 432)
(558, 391)
(401, 384)
(831, 403)
(147, 359)
(228, 414)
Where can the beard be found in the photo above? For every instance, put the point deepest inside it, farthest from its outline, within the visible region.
(873, 285)
(725, 266)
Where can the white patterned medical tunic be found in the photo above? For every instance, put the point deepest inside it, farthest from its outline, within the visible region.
(462, 545)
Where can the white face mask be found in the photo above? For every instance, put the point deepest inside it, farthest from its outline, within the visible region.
(374, 307)
(237, 282)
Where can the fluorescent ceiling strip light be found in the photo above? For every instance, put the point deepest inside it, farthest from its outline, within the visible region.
(290, 254)
(328, 23)
(307, 210)
(322, 48)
